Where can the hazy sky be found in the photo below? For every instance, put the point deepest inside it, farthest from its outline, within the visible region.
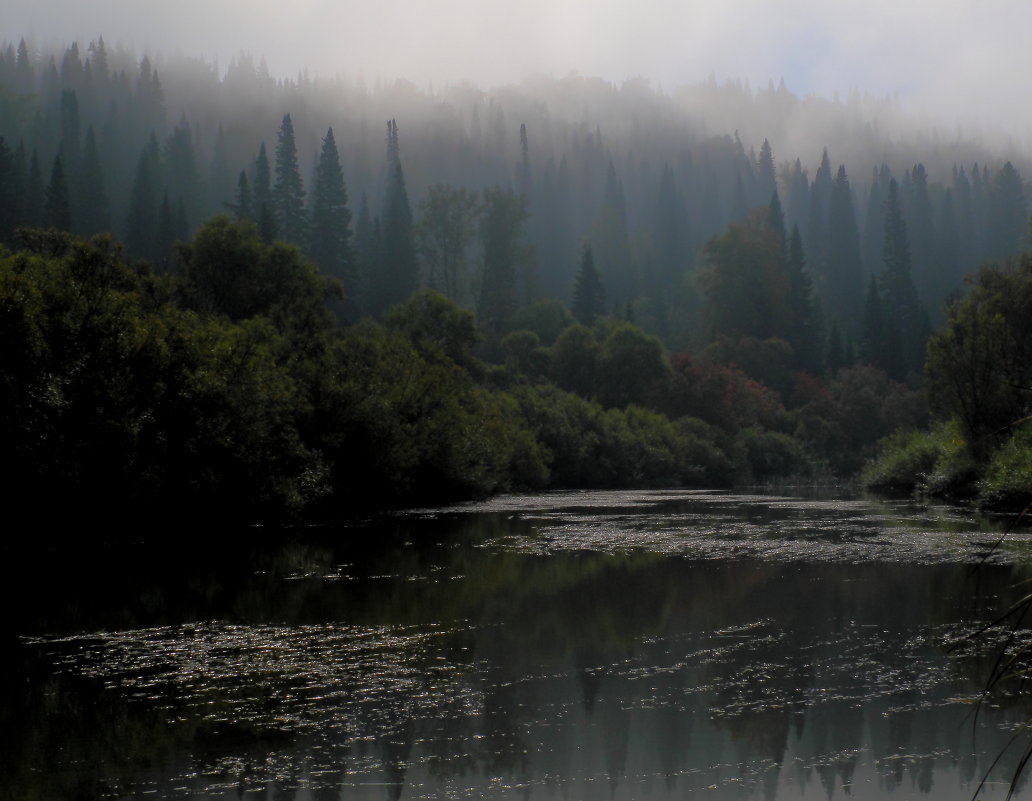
(940, 53)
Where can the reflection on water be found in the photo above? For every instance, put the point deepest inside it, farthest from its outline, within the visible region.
(580, 645)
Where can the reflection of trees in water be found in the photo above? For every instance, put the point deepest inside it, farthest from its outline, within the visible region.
(619, 666)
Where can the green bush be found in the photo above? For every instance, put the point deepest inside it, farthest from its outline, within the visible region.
(905, 460)
(1008, 479)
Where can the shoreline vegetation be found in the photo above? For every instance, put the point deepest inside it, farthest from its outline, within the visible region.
(579, 306)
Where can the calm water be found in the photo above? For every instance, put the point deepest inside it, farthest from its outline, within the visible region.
(571, 646)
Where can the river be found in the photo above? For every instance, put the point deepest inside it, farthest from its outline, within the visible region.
(632, 645)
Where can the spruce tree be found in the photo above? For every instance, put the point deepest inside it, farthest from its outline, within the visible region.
(766, 179)
(141, 223)
(903, 346)
(844, 268)
(57, 207)
(244, 205)
(805, 332)
(396, 276)
(288, 193)
(589, 295)
(94, 215)
(330, 243)
(34, 194)
(264, 211)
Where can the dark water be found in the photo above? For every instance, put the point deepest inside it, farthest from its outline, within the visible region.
(573, 646)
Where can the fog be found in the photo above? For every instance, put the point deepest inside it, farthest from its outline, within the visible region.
(962, 62)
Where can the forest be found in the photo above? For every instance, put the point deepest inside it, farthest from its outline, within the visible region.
(258, 298)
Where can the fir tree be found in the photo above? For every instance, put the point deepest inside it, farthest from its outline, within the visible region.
(264, 213)
(244, 205)
(288, 193)
(766, 180)
(330, 244)
(57, 207)
(844, 268)
(589, 295)
(141, 224)
(903, 347)
(94, 215)
(396, 276)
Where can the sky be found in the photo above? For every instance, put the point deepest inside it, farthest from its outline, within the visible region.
(943, 56)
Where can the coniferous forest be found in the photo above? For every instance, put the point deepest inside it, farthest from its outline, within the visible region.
(271, 298)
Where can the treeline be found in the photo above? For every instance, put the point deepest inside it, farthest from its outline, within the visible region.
(147, 148)
(226, 389)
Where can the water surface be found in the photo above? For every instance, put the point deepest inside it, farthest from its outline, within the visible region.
(651, 645)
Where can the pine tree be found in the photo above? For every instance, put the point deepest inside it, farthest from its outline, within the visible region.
(264, 213)
(805, 332)
(766, 179)
(589, 295)
(244, 205)
(611, 240)
(141, 223)
(34, 194)
(288, 194)
(57, 207)
(396, 276)
(903, 346)
(1008, 216)
(844, 269)
(330, 244)
(94, 215)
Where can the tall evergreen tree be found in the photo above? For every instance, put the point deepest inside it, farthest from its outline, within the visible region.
(244, 205)
(34, 193)
(396, 276)
(1007, 228)
(330, 243)
(142, 220)
(94, 213)
(805, 333)
(903, 345)
(58, 207)
(766, 178)
(611, 240)
(843, 289)
(264, 210)
(288, 193)
(589, 295)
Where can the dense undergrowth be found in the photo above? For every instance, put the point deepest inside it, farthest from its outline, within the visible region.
(228, 390)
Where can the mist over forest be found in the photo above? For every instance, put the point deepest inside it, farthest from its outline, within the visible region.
(770, 246)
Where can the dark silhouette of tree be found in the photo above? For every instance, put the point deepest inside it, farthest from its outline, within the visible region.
(34, 193)
(1008, 215)
(396, 275)
(843, 287)
(288, 193)
(903, 342)
(264, 210)
(611, 241)
(766, 179)
(141, 223)
(57, 208)
(244, 205)
(94, 211)
(330, 242)
(806, 334)
(589, 295)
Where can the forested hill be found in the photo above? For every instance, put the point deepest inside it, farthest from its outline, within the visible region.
(96, 139)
